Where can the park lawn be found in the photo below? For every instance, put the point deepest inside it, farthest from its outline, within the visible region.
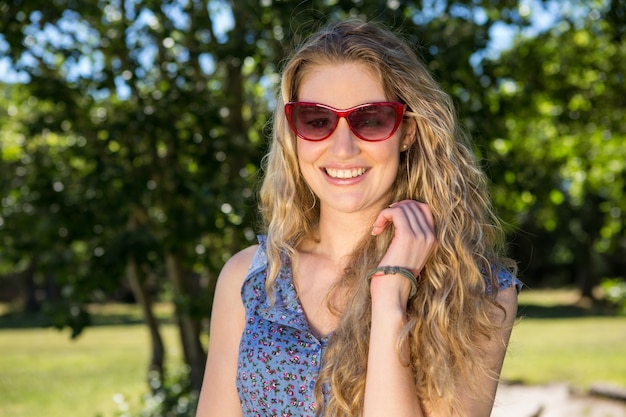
(44, 373)
(556, 341)
(580, 351)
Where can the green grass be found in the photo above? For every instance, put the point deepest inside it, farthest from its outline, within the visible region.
(559, 339)
(44, 373)
(579, 351)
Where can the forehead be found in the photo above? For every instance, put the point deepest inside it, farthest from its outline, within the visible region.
(341, 85)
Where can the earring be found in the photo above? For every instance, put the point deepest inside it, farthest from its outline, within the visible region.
(405, 147)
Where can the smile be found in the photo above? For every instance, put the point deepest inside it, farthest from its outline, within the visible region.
(345, 173)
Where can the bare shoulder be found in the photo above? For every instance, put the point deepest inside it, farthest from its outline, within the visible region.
(236, 268)
(507, 299)
(227, 299)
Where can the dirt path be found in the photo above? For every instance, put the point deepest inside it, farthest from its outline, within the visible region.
(554, 400)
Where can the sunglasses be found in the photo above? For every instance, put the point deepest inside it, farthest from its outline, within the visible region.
(371, 122)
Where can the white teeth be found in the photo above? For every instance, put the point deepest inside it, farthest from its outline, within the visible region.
(345, 173)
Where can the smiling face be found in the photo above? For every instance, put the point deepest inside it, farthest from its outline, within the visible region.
(346, 173)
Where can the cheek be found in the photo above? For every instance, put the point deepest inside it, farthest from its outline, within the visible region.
(308, 152)
(385, 153)
(306, 156)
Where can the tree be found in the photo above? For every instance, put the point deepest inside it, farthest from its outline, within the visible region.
(558, 99)
(152, 162)
(143, 123)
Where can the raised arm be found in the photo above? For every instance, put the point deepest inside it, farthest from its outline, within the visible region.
(389, 387)
(218, 396)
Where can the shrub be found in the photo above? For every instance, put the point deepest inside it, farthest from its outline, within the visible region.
(614, 292)
(173, 398)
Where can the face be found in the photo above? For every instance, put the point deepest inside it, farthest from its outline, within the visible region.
(348, 174)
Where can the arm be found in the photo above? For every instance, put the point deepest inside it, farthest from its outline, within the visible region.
(389, 386)
(218, 396)
(390, 389)
(392, 382)
(496, 349)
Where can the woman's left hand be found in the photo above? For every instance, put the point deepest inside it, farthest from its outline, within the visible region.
(414, 236)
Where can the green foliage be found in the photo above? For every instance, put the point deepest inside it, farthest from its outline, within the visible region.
(139, 133)
(557, 145)
(123, 157)
(172, 398)
(614, 291)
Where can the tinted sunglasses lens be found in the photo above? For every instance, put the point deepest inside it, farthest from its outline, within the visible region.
(373, 122)
(313, 122)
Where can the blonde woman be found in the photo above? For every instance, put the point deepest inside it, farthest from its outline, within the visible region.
(378, 287)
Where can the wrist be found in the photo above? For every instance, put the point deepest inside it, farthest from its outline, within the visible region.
(407, 273)
(388, 306)
(388, 297)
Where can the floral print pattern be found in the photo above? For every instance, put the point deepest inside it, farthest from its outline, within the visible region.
(279, 357)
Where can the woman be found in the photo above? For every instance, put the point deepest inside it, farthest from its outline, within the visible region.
(379, 288)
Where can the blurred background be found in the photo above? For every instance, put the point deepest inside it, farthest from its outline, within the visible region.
(131, 133)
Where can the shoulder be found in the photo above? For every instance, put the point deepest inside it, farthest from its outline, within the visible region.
(239, 263)
(507, 298)
(506, 288)
(227, 303)
(234, 272)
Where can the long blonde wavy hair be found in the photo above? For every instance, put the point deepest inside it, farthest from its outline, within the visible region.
(451, 309)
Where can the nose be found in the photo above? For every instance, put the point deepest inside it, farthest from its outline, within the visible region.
(343, 143)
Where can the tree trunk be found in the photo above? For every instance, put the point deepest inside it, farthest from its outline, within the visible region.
(156, 369)
(28, 287)
(137, 285)
(586, 278)
(188, 326)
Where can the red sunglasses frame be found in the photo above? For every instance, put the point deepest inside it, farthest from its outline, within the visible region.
(398, 108)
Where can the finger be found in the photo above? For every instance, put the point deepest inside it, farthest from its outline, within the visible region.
(426, 218)
(414, 217)
(407, 215)
(382, 220)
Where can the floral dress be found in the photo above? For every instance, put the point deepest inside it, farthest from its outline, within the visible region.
(279, 357)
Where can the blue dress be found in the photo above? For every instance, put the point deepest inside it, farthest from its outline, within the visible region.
(279, 357)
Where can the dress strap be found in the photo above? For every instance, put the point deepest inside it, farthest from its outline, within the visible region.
(259, 261)
(507, 279)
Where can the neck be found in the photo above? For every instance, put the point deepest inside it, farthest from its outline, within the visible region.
(339, 234)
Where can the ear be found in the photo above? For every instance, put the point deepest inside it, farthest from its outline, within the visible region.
(410, 134)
